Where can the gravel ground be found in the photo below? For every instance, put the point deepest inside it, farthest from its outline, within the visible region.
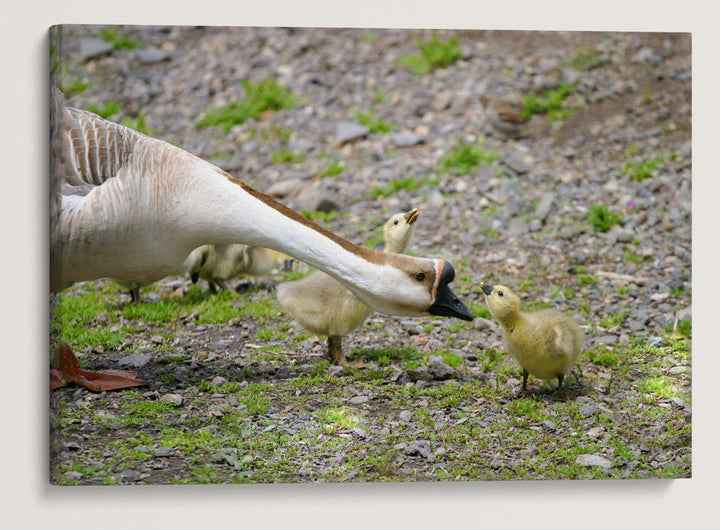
(523, 219)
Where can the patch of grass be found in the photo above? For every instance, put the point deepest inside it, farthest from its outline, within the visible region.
(633, 257)
(373, 125)
(602, 218)
(119, 42)
(550, 102)
(262, 97)
(72, 83)
(332, 169)
(323, 217)
(612, 320)
(271, 333)
(639, 171)
(586, 279)
(256, 404)
(682, 327)
(585, 60)
(434, 54)
(467, 158)
(663, 387)
(407, 356)
(156, 312)
(340, 417)
(408, 184)
(285, 155)
(107, 110)
(602, 356)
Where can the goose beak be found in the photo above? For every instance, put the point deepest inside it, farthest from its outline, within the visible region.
(447, 304)
(486, 288)
(411, 216)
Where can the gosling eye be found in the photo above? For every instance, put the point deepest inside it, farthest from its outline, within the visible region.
(420, 276)
(500, 293)
(396, 221)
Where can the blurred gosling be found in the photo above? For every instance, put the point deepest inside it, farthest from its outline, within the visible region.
(217, 264)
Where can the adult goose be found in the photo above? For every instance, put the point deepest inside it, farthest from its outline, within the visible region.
(324, 307)
(131, 207)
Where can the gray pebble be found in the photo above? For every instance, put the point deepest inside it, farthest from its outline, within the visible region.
(593, 460)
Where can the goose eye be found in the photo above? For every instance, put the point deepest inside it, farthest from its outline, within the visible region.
(420, 276)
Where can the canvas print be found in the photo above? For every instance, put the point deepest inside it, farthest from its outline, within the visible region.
(290, 255)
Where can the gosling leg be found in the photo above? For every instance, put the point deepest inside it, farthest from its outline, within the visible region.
(525, 378)
(135, 294)
(560, 380)
(335, 351)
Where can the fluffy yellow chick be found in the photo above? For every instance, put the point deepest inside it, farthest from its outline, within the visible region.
(545, 343)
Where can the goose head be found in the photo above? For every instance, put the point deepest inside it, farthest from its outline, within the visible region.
(398, 231)
(501, 301)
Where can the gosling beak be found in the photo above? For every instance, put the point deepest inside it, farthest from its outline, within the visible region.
(287, 265)
(447, 304)
(486, 288)
(411, 216)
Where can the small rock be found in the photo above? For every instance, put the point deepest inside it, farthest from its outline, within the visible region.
(151, 55)
(442, 100)
(419, 448)
(677, 370)
(91, 47)
(421, 374)
(405, 416)
(549, 425)
(247, 459)
(163, 451)
(174, 399)
(406, 139)
(73, 475)
(227, 455)
(219, 381)
(317, 199)
(588, 409)
(438, 368)
(545, 206)
(360, 433)
(135, 361)
(593, 460)
(679, 403)
(359, 400)
(347, 131)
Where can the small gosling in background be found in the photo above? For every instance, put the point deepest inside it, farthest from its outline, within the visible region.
(323, 306)
(545, 343)
(219, 263)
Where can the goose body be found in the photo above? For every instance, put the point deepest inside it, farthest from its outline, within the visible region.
(544, 343)
(150, 204)
(132, 208)
(217, 264)
(324, 306)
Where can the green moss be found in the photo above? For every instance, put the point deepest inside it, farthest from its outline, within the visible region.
(465, 159)
(434, 54)
(264, 96)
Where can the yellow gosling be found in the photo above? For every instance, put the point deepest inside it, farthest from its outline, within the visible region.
(323, 306)
(545, 343)
(217, 264)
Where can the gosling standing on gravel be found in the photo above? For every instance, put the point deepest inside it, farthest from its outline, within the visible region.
(545, 344)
